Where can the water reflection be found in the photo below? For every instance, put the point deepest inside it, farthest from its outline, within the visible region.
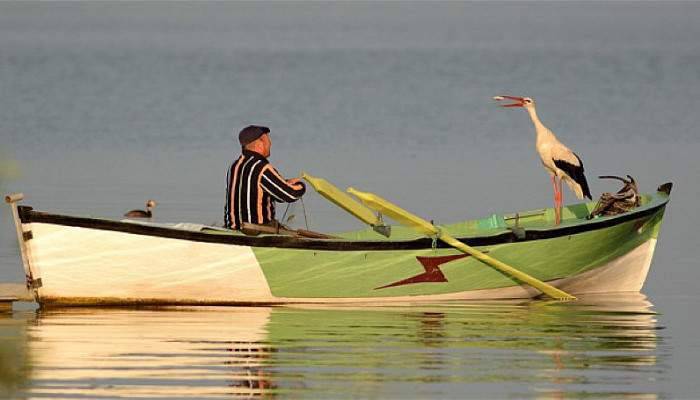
(604, 346)
(14, 363)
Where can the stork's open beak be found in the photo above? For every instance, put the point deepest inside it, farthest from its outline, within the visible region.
(519, 101)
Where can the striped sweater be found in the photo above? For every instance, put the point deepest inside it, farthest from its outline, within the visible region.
(252, 187)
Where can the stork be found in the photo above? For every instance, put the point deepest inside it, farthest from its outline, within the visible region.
(561, 163)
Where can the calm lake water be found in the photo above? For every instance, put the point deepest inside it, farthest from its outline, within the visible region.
(610, 346)
(105, 105)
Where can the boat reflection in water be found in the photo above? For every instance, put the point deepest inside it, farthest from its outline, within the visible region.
(198, 353)
(602, 346)
(14, 363)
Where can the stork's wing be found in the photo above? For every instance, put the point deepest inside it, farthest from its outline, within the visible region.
(572, 166)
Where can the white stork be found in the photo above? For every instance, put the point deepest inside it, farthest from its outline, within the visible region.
(561, 163)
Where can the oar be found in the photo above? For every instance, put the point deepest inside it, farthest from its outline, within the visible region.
(419, 224)
(347, 203)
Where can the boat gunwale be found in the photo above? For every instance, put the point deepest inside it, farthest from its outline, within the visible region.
(28, 215)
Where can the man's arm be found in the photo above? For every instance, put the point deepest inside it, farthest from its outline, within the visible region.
(284, 191)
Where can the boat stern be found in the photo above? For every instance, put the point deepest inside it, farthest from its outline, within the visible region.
(24, 235)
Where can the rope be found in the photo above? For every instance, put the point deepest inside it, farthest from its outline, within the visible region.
(284, 216)
(303, 207)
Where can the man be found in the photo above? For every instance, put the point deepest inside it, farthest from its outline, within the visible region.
(253, 184)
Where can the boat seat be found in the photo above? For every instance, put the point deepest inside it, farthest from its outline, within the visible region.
(493, 221)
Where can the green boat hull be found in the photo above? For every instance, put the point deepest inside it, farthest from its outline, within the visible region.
(335, 274)
(399, 273)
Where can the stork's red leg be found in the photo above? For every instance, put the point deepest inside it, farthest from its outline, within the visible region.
(560, 192)
(557, 216)
(561, 199)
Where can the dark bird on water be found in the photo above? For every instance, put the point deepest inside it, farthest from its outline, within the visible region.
(561, 163)
(150, 205)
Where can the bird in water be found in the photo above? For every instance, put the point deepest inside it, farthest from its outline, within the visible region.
(150, 205)
(561, 163)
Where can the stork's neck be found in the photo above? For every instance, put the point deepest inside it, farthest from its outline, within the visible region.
(543, 133)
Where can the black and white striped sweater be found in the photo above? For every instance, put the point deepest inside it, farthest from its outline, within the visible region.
(252, 187)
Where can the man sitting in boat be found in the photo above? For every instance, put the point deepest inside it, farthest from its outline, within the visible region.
(253, 184)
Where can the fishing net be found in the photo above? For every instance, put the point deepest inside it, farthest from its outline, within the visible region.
(627, 198)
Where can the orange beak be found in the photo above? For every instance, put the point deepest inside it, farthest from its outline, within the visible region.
(519, 101)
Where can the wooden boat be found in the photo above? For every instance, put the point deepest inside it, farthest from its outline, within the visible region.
(73, 260)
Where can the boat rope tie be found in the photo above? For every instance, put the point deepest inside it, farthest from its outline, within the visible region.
(436, 237)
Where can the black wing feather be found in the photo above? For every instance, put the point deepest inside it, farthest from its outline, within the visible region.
(575, 172)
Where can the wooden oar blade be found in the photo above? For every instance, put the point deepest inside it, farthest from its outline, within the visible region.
(342, 200)
(394, 212)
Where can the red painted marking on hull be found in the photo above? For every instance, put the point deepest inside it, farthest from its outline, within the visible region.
(432, 271)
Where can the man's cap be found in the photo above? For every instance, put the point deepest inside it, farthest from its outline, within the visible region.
(251, 133)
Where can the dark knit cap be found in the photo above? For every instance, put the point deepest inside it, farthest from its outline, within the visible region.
(251, 133)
